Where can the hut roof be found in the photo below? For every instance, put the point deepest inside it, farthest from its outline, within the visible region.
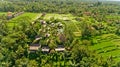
(60, 46)
(38, 38)
(34, 48)
(9, 14)
(59, 49)
(45, 48)
(62, 37)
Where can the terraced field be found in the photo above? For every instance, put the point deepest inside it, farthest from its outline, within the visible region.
(69, 20)
(108, 45)
(60, 16)
(113, 17)
(26, 17)
(1, 13)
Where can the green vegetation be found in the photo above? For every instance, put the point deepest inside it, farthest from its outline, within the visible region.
(26, 17)
(59, 33)
(107, 46)
(69, 21)
(1, 13)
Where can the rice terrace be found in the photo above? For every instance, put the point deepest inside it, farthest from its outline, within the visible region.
(59, 33)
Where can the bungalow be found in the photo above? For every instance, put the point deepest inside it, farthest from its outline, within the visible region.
(9, 15)
(87, 13)
(42, 22)
(62, 37)
(52, 24)
(37, 39)
(34, 47)
(45, 48)
(47, 35)
(60, 48)
(43, 14)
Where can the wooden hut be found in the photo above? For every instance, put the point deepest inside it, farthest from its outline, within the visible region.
(43, 14)
(9, 15)
(60, 48)
(45, 49)
(87, 13)
(34, 47)
(62, 37)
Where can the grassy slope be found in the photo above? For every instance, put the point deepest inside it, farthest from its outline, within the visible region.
(1, 13)
(113, 17)
(71, 23)
(26, 17)
(108, 45)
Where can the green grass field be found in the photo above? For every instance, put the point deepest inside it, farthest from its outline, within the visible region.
(69, 20)
(59, 16)
(108, 45)
(26, 17)
(113, 17)
(1, 13)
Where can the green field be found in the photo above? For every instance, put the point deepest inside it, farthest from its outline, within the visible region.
(1, 13)
(108, 45)
(26, 17)
(69, 20)
(113, 17)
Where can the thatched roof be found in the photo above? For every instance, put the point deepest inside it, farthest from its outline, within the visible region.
(60, 48)
(45, 48)
(34, 47)
(9, 14)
